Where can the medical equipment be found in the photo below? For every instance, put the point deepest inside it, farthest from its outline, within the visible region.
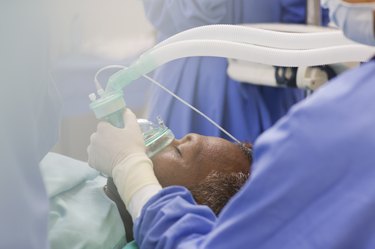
(309, 77)
(109, 108)
(254, 45)
(115, 110)
(267, 47)
(156, 136)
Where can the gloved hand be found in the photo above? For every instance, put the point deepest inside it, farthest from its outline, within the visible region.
(121, 153)
(111, 145)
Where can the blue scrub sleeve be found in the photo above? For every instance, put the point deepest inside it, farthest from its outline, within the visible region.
(312, 182)
(170, 218)
(260, 216)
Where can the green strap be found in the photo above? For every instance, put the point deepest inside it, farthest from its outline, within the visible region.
(131, 245)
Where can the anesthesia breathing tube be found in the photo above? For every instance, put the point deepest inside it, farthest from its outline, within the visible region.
(249, 44)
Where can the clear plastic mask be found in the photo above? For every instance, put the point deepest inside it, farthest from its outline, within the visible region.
(156, 136)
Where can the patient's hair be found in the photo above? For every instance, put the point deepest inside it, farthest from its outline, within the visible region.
(247, 150)
(217, 189)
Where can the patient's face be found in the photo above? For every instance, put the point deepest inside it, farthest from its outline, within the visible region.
(189, 160)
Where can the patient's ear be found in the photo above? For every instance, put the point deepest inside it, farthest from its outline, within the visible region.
(112, 193)
(247, 149)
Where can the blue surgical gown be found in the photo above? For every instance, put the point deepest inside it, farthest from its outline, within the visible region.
(244, 110)
(29, 110)
(312, 183)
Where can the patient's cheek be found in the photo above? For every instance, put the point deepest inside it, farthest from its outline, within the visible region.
(165, 174)
(171, 174)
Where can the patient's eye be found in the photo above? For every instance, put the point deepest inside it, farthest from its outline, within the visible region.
(178, 151)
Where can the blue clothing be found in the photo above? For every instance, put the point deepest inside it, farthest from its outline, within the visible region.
(244, 110)
(312, 183)
(29, 107)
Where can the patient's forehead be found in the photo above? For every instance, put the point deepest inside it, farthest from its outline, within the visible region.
(222, 155)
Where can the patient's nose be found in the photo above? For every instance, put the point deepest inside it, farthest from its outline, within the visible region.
(188, 138)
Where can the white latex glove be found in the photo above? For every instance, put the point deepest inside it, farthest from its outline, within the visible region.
(111, 145)
(121, 153)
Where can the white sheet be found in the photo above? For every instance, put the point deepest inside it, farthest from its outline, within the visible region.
(81, 215)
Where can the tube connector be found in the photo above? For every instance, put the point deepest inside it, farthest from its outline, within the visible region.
(109, 107)
(124, 77)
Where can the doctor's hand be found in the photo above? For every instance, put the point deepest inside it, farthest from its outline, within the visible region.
(110, 145)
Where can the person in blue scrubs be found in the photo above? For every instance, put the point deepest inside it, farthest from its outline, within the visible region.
(312, 181)
(29, 107)
(244, 110)
(312, 185)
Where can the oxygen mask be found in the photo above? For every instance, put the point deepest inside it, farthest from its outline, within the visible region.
(110, 108)
(156, 136)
